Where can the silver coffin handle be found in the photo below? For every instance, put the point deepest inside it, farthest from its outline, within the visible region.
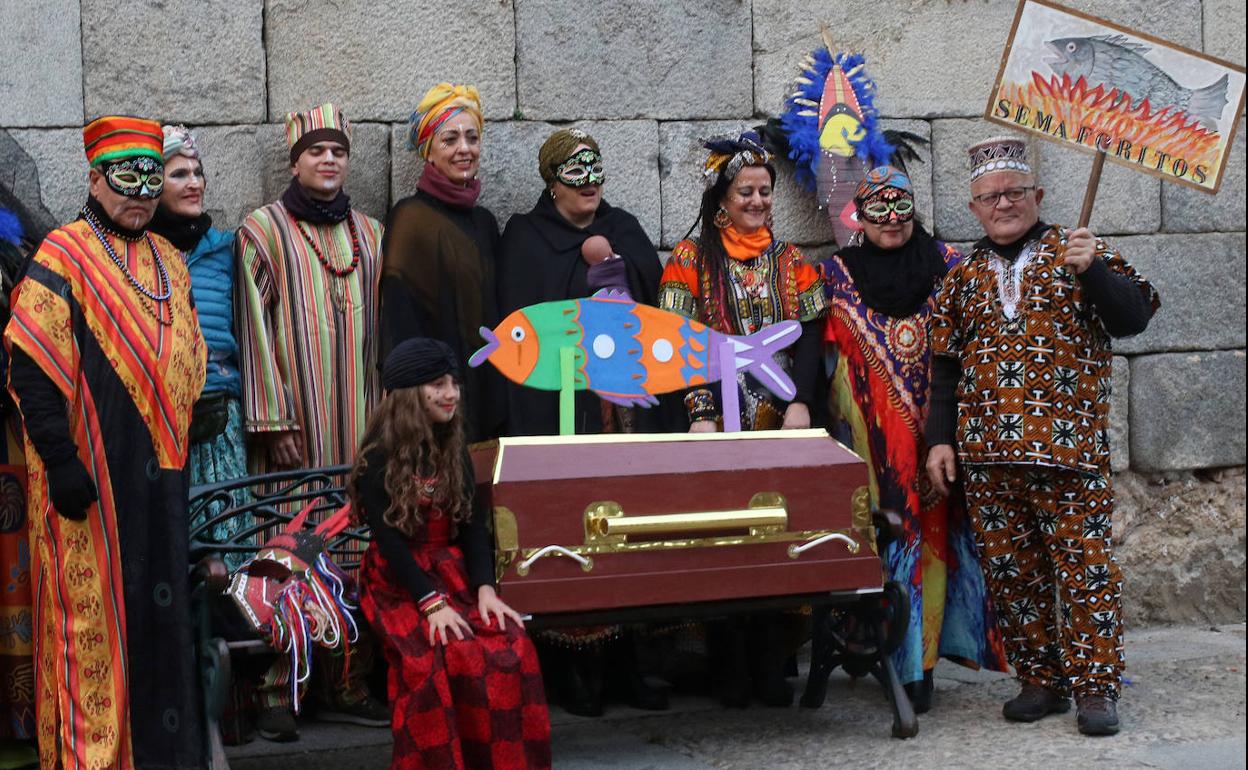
(797, 550)
(586, 563)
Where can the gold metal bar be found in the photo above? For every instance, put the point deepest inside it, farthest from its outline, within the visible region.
(702, 521)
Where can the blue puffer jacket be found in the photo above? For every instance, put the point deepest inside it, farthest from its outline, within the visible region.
(211, 265)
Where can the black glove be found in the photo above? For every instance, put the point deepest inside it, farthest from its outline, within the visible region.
(71, 489)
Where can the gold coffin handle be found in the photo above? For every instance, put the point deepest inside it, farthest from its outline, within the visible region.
(768, 511)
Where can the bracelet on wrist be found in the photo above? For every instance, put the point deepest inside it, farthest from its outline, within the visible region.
(700, 404)
(432, 604)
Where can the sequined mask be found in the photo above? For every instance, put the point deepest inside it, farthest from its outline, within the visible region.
(880, 207)
(584, 167)
(136, 177)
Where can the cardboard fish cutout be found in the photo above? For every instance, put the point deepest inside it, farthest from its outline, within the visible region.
(628, 353)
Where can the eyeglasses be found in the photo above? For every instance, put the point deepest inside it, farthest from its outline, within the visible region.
(1013, 195)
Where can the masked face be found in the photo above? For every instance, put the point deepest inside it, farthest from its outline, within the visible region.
(889, 204)
(584, 167)
(141, 177)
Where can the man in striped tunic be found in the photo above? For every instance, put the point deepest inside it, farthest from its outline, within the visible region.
(307, 327)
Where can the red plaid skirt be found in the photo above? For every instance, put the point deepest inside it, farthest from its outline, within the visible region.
(475, 704)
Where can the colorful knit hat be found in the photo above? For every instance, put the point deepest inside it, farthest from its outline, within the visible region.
(880, 178)
(1000, 153)
(439, 104)
(179, 141)
(325, 123)
(115, 137)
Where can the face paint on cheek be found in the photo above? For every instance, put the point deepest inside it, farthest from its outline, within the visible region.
(135, 177)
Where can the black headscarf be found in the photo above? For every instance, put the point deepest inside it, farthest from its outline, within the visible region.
(416, 361)
(896, 282)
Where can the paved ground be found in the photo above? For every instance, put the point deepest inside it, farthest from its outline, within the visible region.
(1184, 708)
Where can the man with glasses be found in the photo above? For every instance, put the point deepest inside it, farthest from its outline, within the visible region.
(1021, 386)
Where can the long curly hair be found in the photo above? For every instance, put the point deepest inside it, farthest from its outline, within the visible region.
(414, 447)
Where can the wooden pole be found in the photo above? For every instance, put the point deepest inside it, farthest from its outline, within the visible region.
(567, 391)
(1089, 197)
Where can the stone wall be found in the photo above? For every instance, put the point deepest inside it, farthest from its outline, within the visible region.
(649, 79)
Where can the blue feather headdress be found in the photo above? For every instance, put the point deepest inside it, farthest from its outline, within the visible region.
(800, 118)
(11, 231)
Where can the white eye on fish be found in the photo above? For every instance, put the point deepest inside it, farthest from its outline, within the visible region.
(1071, 47)
(517, 334)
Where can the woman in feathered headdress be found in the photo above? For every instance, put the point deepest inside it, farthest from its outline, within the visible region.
(737, 277)
(879, 289)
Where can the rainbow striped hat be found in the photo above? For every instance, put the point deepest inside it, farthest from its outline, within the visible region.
(114, 137)
(325, 123)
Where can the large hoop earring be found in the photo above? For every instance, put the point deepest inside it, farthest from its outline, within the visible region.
(722, 220)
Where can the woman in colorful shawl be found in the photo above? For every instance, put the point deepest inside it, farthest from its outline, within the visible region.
(218, 446)
(738, 278)
(879, 296)
(438, 252)
(464, 682)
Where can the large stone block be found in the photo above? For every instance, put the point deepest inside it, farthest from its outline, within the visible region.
(1224, 29)
(797, 217)
(368, 180)
(1187, 410)
(931, 58)
(1128, 202)
(41, 80)
(189, 61)
(234, 172)
(20, 190)
(62, 168)
(1185, 210)
(511, 184)
(1119, 416)
(664, 59)
(376, 58)
(1201, 281)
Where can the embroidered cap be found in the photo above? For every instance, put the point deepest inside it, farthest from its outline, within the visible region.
(325, 123)
(116, 137)
(1000, 153)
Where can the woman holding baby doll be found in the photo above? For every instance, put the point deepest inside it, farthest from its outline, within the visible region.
(571, 245)
(439, 250)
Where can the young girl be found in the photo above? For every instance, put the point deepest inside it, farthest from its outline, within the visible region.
(464, 683)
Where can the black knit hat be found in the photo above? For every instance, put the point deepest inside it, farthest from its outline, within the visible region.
(417, 361)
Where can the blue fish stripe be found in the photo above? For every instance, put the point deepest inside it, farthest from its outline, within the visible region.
(612, 360)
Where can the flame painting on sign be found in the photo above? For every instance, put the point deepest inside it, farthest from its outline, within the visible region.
(1146, 103)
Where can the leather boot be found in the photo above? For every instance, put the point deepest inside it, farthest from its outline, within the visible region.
(1098, 714)
(1035, 702)
(583, 685)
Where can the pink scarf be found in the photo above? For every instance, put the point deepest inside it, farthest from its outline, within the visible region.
(434, 182)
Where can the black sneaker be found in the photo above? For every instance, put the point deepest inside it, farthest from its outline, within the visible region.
(1035, 702)
(276, 723)
(368, 712)
(1098, 715)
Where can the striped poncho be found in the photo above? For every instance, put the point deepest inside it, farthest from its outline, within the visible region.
(307, 337)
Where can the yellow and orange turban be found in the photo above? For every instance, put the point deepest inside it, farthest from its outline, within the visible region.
(440, 104)
(115, 137)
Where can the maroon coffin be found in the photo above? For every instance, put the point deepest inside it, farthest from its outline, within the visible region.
(609, 521)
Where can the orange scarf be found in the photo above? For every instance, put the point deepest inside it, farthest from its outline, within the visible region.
(742, 246)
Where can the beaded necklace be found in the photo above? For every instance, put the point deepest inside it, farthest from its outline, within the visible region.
(341, 272)
(162, 278)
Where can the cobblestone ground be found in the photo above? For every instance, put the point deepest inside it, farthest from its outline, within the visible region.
(1184, 708)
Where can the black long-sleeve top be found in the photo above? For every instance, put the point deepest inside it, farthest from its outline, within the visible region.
(43, 410)
(471, 535)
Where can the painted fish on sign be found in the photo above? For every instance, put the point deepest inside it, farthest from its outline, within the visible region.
(628, 353)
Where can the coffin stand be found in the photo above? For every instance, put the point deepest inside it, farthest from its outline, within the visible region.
(652, 527)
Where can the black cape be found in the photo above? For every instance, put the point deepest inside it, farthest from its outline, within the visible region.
(540, 261)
